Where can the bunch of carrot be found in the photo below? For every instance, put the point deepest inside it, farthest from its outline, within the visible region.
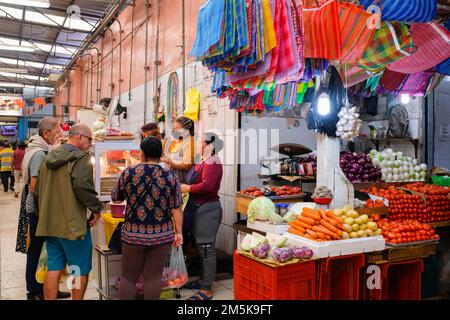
(318, 225)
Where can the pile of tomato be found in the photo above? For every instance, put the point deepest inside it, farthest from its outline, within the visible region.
(272, 191)
(374, 204)
(252, 192)
(403, 206)
(406, 231)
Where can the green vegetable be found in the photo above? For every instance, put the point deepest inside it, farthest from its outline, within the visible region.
(263, 209)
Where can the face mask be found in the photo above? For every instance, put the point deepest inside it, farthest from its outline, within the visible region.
(181, 133)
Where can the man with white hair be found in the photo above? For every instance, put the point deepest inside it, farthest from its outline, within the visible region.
(65, 193)
(39, 146)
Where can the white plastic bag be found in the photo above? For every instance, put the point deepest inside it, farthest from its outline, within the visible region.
(175, 275)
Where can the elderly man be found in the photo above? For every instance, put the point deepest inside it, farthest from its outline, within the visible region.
(38, 147)
(66, 192)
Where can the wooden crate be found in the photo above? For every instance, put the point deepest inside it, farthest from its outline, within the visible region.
(401, 254)
(382, 211)
(243, 201)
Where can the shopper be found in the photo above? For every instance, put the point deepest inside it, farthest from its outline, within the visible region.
(208, 216)
(38, 147)
(6, 170)
(179, 150)
(19, 153)
(63, 219)
(153, 198)
(148, 130)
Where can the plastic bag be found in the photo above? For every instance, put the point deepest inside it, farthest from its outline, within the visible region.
(175, 275)
(41, 270)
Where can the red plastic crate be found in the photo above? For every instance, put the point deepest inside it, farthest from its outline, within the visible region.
(257, 281)
(399, 281)
(338, 277)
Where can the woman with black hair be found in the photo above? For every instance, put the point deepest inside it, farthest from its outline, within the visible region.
(153, 197)
(179, 151)
(204, 185)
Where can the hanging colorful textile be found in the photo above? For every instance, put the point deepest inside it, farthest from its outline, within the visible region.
(390, 43)
(322, 29)
(405, 10)
(433, 47)
(192, 104)
(416, 84)
(209, 26)
(444, 67)
(437, 79)
(352, 74)
(392, 80)
(270, 38)
(356, 34)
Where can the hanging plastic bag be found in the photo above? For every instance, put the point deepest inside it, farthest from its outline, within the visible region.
(42, 268)
(175, 274)
(192, 104)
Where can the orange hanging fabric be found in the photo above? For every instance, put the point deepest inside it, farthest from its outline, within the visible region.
(355, 31)
(322, 29)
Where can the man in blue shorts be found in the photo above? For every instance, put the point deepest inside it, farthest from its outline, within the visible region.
(66, 192)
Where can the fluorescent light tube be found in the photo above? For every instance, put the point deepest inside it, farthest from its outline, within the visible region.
(29, 3)
(16, 48)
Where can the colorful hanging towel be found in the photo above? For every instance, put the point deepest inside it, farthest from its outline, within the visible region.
(433, 47)
(444, 67)
(392, 80)
(405, 10)
(270, 38)
(356, 33)
(416, 84)
(192, 104)
(209, 26)
(437, 79)
(390, 43)
(322, 29)
(353, 74)
(286, 58)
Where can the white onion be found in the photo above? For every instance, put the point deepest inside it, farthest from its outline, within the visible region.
(423, 166)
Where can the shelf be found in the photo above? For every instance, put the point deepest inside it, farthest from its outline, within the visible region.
(376, 142)
(280, 177)
(441, 224)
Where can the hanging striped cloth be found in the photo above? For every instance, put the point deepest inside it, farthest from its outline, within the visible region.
(406, 10)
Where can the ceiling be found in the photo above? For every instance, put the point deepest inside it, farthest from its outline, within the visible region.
(55, 32)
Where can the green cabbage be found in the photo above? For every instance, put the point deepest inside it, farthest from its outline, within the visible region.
(262, 209)
(252, 240)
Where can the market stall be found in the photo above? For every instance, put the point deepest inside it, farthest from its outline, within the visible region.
(331, 64)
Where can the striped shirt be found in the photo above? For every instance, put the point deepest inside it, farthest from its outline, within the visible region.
(6, 156)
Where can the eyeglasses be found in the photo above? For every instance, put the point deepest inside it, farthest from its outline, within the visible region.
(82, 135)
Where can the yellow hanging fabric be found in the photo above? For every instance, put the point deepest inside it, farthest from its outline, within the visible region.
(192, 104)
(270, 38)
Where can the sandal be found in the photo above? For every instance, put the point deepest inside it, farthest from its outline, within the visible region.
(201, 295)
(194, 285)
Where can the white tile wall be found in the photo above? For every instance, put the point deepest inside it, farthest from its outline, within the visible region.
(230, 180)
(229, 214)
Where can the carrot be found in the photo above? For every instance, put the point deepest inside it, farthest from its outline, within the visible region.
(313, 215)
(312, 233)
(329, 226)
(296, 232)
(323, 236)
(298, 228)
(306, 220)
(323, 215)
(302, 224)
(325, 231)
(308, 237)
(331, 215)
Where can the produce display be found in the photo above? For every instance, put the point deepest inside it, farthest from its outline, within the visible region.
(274, 247)
(374, 203)
(318, 225)
(263, 209)
(429, 204)
(270, 191)
(358, 167)
(395, 167)
(349, 123)
(396, 232)
(356, 225)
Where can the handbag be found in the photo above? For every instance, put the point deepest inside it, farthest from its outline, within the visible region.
(115, 243)
(192, 176)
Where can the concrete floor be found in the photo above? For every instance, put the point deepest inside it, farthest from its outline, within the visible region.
(12, 264)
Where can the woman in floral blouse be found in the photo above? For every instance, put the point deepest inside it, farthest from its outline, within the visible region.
(153, 197)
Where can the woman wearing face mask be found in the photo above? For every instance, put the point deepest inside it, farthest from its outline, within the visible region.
(179, 148)
(204, 189)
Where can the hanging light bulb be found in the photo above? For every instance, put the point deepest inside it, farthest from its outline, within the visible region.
(405, 98)
(323, 104)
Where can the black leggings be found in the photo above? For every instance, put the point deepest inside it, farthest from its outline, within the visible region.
(149, 261)
(5, 176)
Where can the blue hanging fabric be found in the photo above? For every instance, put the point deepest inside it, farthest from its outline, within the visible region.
(209, 26)
(405, 10)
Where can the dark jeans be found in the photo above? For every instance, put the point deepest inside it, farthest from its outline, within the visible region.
(5, 176)
(33, 254)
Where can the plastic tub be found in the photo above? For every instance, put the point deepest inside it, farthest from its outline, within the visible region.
(323, 201)
(441, 181)
(118, 209)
